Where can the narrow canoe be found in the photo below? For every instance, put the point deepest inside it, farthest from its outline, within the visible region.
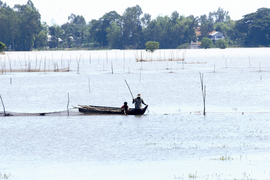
(88, 109)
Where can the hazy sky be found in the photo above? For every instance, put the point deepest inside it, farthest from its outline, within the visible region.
(57, 11)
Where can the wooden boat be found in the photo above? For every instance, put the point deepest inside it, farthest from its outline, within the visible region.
(88, 109)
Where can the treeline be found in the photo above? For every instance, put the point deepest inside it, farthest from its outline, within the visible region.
(21, 29)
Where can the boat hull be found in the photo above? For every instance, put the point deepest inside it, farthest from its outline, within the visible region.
(109, 110)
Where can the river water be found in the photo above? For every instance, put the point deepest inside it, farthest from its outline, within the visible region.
(173, 140)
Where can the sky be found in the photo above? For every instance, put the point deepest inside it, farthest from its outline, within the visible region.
(57, 11)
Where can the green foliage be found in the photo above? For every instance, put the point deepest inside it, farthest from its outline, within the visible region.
(221, 43)
(41, 38)
(183, 46)
(171, 31)
(206, 43)
(151, 46)
(2, 47)
(114, 36)
(253, 30)
(19, 26)
(220, 15)
(132, 27)
(218, 20)
(22, 30)
(99, 29)
(207, 25)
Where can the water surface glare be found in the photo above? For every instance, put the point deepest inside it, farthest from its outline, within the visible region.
(173, 140)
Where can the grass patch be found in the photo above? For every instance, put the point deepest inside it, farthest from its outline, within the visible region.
(223, 158)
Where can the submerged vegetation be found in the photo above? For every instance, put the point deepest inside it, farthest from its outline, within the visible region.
(4, 176)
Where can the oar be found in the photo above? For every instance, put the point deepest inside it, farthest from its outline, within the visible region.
(129, 89)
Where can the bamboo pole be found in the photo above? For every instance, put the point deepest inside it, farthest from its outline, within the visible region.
(20, 62)
(89, 85)
(203, 92)
(40, 62)
(3, 105)
(9, 63)
(112, 67)
(90, 58)
(36, 63)
(68, 105)
(45, 65)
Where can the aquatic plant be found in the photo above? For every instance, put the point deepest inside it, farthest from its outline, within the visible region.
(4, 176)
(223, 158)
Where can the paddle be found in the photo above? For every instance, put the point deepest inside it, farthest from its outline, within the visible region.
(129, 89)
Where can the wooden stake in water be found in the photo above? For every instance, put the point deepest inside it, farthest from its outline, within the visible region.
(112, 67)
(203, 92)
(140, 74)
(20, 62)
(78, 65)
(68, 105)
(89, 85)
(45, 65)
(62, 61)
(183, 65)
(90, 58)
(3, 105)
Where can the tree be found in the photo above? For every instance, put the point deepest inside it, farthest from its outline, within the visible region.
(132, 28)
(172, 31)
(9, 27)
(151, 46)
(206, 43)
(207, 25)
(98, 28)
(254, 29)
(73, 33)
(29, 26)
(220, 15)
(42, 38)
(146, 19)
(53, 40)
(2, 47)
(114, 35)
(221, 43)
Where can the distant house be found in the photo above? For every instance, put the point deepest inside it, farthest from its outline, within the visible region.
(195, 45)
(216, 35)
(198, 31)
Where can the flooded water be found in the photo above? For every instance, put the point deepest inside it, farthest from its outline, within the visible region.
(173, 140)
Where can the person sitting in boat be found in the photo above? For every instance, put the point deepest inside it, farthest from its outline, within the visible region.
(138, 103)
(125, 108)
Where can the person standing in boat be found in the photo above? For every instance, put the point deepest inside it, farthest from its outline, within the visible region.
(138, 103)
